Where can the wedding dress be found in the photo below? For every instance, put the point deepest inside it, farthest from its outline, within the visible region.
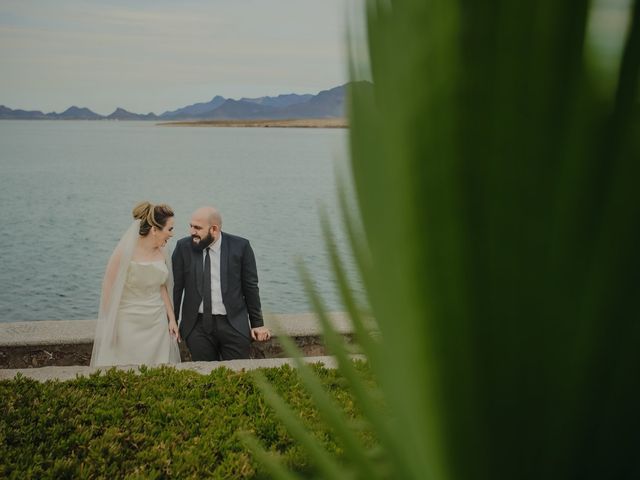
(132, 326)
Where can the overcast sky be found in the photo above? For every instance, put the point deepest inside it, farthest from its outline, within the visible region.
(157, 55)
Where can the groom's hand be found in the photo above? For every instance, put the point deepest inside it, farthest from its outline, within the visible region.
(260, 334)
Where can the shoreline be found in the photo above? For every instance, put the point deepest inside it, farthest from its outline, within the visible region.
(286, 123)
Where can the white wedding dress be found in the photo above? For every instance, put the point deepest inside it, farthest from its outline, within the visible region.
(133, 327)
(142, 332)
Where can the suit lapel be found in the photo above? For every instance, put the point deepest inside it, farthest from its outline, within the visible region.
(197, 260)
(224, 260)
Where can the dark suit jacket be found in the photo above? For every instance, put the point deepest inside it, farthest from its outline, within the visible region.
(238, 279)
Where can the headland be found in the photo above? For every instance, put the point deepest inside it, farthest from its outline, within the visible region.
(286, 123)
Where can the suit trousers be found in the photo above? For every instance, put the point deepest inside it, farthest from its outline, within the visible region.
(216, 340)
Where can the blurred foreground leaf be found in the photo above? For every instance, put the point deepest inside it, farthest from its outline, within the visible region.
(497, 184)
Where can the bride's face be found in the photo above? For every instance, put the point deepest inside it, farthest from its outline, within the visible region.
(163, 236)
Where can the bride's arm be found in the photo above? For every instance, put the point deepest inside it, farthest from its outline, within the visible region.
(173, 325)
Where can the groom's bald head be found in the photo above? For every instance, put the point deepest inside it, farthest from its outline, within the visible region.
(210, 215)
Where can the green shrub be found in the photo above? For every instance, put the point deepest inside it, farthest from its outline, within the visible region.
(161, 423)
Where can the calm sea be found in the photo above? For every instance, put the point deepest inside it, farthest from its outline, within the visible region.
(67, 189)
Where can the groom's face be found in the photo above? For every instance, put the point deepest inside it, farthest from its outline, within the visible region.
(204, 242)
(201, 233)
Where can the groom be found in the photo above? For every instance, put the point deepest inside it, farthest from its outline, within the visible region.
(217, 273)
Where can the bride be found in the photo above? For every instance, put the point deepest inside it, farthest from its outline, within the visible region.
(136, 323)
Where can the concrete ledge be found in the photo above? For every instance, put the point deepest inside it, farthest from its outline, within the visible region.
(69, 332)
(49, 332)
(72, 372)
(69, 342)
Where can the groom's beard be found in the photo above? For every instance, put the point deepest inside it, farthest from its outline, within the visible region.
(203, 243)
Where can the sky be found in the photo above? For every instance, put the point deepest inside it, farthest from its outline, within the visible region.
(158, 55)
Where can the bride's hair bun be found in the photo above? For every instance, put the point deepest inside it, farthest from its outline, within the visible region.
(141, 210)
(151, 216)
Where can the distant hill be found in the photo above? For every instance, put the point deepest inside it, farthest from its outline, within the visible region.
(193, 110)
(122, 114)
(281, 101)
(238, 110)
(326, 104)
(75, 113)
(7, 113)
(71, 113)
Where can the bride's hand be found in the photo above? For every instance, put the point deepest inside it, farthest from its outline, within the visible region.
(173, 330)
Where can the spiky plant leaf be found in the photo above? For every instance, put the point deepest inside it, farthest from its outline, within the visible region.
(496, 182)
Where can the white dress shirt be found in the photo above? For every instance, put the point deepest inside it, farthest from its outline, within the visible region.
(216, 289)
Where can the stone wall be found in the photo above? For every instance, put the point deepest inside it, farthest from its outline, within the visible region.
(69, 342)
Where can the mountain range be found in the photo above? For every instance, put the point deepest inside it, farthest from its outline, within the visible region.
(326, 104)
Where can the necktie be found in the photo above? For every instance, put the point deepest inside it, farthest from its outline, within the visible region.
(207, 317)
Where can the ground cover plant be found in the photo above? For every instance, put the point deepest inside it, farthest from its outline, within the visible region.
(160, 423)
